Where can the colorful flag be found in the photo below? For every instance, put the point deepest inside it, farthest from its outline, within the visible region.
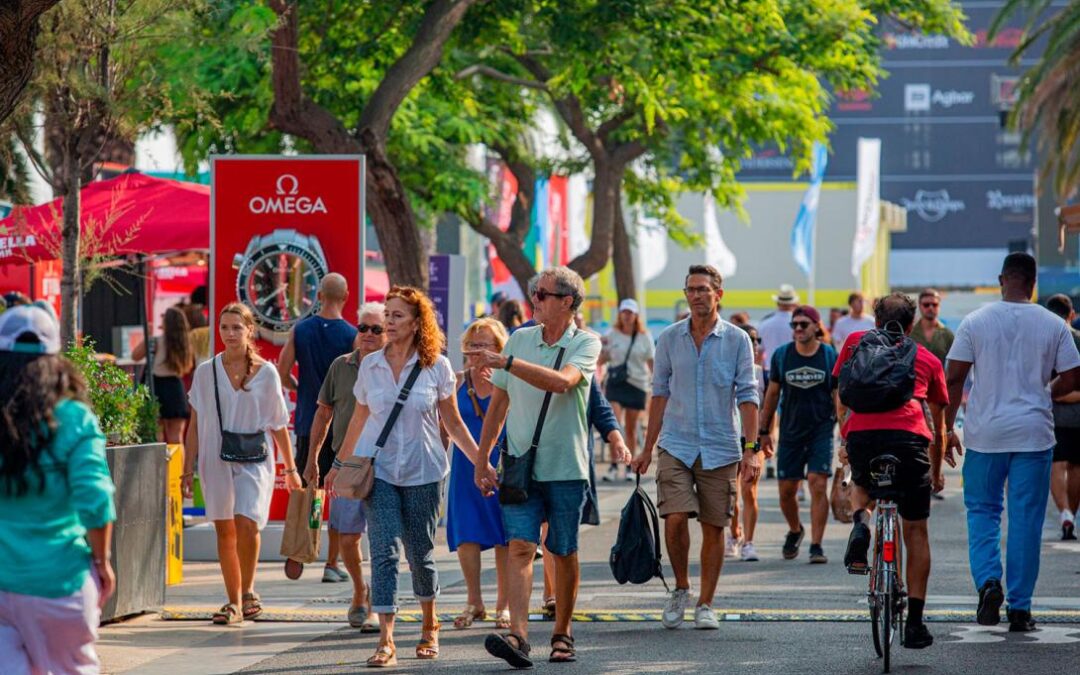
(802, 234)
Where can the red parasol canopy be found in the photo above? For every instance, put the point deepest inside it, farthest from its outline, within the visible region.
(130, 214)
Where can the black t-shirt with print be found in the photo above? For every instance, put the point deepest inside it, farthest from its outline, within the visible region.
(806, 403)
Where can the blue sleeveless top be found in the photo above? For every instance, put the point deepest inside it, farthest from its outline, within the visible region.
(318, 342)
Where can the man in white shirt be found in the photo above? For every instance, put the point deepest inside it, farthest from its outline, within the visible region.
(854, 322)
(775, 329)
(1014, 348)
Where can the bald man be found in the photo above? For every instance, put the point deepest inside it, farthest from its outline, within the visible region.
(313, 345)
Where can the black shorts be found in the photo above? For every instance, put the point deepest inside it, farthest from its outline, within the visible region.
(1067, 447)
(626, 395)
(169, 391)
(326, 456)
(913, 478)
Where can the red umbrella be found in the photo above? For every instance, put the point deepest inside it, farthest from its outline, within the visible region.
(130, 214)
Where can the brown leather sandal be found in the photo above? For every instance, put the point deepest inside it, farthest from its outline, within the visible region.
(468, 616)
(252, 605)
(385, 655)
(228, 615)
(428, 648)
(565, 654)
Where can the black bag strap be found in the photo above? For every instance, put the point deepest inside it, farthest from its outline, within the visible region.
(654, 521)
(544, 407)
(217, 396)
(398, 405)
(630, 349)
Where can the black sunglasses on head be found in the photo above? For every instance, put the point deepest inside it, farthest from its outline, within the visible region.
(375, 329)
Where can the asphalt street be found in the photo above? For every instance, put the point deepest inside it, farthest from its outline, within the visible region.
(779, 615)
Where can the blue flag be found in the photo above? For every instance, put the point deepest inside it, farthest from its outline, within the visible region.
(802, 233)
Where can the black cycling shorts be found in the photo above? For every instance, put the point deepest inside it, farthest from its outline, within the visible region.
(913, 477)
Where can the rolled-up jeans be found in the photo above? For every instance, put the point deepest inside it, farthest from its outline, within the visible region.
(397, 516)
(50, 635)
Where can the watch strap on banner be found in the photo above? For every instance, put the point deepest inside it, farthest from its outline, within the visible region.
(544, 407)
(398, 405)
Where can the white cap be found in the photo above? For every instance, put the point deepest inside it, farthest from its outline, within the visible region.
(29, 320)
(629, 305)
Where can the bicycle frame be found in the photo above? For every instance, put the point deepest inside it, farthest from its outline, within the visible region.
(886, 596)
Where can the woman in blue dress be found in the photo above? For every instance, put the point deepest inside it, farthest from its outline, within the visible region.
(474, 522)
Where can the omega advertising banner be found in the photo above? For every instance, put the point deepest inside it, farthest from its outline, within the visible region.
(278, 225)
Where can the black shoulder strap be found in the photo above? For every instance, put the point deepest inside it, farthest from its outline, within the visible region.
(544, 407)
(398, 405)
(630, 349)
(654, 521)
(217, 396)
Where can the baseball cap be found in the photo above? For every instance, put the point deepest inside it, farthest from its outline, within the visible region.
(629, 305)
(29, 321)
(497, 296)
(807, 311)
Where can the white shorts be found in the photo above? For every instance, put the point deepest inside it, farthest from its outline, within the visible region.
(236, 489)
(50, 635)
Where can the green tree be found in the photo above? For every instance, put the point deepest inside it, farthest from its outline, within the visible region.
(665, 96)
(1049, 99)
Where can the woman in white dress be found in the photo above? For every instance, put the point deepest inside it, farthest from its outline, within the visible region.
(241, 390)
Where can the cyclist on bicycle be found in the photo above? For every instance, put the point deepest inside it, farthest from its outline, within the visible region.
(905, 433)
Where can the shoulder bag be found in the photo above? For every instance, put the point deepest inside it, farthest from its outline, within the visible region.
(245, 448)
(356, 477)
(515, 473)
(619, 376)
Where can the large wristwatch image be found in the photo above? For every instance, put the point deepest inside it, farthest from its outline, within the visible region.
(278, 279)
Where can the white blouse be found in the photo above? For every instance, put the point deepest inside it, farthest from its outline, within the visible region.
(414, 453)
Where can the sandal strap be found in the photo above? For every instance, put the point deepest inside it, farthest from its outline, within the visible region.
(568, 640)
(523, 644)
(251, 596)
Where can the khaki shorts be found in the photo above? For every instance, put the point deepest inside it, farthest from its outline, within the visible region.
(709, 495)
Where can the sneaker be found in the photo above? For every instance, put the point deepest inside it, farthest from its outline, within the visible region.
(817, 555)
(990, 598)
(629, 476)
(770, 471)
(333, 575)
(748, 552)
(705, 618)
(939, 497)
(731, 547)
(1020, 621)
(792, 542)
(858, 546)
(1068, 526)
(675, 609)
(917, 636)
(612, 474)
(800, 495)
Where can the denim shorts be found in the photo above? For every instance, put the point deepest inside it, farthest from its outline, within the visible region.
(347, 516)
(795, 460)
(558, 503)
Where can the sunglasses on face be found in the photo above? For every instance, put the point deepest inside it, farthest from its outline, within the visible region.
(800, 325)
(542, 295)
(375, 329)
(931, 304)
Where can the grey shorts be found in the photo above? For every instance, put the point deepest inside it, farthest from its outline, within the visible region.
(347, 516)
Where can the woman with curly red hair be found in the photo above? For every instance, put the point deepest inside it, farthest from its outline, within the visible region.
(410, 461)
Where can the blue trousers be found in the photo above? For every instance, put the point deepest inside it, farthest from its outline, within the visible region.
(402, 516)
(985, 477)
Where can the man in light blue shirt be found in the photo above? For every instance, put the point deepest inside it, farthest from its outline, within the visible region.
(703, 379)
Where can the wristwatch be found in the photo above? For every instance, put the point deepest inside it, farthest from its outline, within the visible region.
(752, 446)
(278, 279)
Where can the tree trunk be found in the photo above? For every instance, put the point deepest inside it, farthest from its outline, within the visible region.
(70, 234)
(622, 255)
(18, 39)
(608, 177)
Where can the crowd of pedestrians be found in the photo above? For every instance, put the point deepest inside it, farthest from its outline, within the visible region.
(510, 437)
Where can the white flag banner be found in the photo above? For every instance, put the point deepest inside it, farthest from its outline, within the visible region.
(717, 253)
(651, 240)
(868, 203)
(577, 204)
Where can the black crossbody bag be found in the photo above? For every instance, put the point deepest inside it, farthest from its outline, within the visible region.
(245, 448)
(619, 376)
(515, 473)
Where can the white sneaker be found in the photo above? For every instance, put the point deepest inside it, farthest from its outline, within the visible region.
(333, 575)
(749, 553)
(675, 609)
(731, 547)
(611, 476)
(705, 618)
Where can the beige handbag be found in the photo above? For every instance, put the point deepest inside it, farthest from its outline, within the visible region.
(356, 477)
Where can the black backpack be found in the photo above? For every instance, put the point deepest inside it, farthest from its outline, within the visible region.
(635, 557)
(880, 374)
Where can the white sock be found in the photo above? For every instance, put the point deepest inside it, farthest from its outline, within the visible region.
(1066, 516)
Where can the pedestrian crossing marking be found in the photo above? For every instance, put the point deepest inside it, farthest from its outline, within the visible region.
(338, 615)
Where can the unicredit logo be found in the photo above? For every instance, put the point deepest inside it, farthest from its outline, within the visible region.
(287, 199)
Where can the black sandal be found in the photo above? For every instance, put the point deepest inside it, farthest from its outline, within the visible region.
(568, 650)
(499, 646)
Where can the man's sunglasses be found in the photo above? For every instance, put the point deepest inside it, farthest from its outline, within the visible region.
(796, 325)
(375, 329)
(542, 295)
(931, 304)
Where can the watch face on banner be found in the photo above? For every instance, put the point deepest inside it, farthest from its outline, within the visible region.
(279, 281)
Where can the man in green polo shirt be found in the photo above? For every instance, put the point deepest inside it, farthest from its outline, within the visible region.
(929, 331)
(523, 374)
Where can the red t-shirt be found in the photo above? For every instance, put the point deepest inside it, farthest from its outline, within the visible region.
(929, 386)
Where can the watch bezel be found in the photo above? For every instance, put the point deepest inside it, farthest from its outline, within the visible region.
(272, 330)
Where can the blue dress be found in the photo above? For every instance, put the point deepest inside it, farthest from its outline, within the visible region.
(470, 517)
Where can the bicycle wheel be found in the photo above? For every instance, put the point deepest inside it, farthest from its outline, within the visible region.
(874, 596)
(887, 618)
(900, 601)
